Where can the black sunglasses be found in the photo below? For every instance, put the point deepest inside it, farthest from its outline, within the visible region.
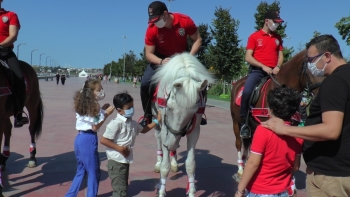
(311, 59)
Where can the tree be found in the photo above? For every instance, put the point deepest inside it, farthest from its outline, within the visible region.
(260, 20)
(316, 34)
(206, 40)
(343, 27)
(224, 55)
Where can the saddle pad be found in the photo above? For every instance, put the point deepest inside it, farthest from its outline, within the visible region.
(5, 91)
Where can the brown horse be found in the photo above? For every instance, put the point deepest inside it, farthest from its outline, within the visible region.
(294, 74)
(33, 103)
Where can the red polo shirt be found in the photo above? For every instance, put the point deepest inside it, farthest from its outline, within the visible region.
(7, 18)
(265, 47)
(278, 154)
(171, 41)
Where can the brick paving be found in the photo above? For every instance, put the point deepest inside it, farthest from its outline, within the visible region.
(216, 155)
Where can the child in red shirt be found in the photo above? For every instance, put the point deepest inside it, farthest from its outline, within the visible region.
(273, 157)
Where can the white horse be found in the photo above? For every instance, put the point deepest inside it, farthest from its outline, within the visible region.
(179, 98)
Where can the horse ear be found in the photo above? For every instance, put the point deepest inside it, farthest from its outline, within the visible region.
(202, 85)
(178, 83)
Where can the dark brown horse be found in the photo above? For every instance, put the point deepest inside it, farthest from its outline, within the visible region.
(33, 103)
(294, 74)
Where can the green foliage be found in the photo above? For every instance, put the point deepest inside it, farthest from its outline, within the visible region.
(206, 40)
(225, 96)
(343, 27)
(224, 55)
(260, 21)
(218, 89)
(316, 34)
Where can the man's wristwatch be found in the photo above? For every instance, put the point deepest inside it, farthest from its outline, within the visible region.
(278, 66)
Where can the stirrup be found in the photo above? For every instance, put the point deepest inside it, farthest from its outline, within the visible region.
(245, 131)
(204, 120)
(20, 121)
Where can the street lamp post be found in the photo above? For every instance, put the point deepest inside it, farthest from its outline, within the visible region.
(46, 60)
(31, 56)
(40, 58)
(124, 56)
(169, 4)
(18, 49)
(110, 68)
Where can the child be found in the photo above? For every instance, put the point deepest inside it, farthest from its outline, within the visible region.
(135, 82)
(90, 118)
(273, 157)
(120, 138)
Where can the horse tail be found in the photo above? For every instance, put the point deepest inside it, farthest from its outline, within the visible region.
(38, 125)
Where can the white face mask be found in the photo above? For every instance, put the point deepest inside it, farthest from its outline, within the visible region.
(100, 95)
(161, 23)
(314, 70)
(273, 26)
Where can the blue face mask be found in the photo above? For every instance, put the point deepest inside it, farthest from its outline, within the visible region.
(128, 112)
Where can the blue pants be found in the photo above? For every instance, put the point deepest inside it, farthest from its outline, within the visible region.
(88, 162)
(282, 194)
(253, 79)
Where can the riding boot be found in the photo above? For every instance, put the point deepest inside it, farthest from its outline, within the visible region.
(245, 130)
(19, 98)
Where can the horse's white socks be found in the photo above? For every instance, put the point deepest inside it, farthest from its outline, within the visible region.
(162, 184)
(160, 153)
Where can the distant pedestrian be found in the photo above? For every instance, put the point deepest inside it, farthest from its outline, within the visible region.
(63, 79)
(90, 117)
(57, 78)
(135, 82)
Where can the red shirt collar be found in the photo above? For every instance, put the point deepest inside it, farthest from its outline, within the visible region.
(264, 33)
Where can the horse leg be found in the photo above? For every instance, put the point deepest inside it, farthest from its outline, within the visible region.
(173, 161)
(6, 130)
(164, 171)
(240, 160)
(190, 161)
(33, 116)
(159, 151)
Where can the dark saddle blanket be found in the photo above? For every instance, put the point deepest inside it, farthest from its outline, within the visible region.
(6, 90)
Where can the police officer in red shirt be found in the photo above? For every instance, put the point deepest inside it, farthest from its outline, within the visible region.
(9, 27)
(265, 56)
(166, 35)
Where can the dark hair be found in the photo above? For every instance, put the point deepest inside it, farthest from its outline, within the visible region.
(85, 100)
(121, 99)
(283, 102)
(326, 43)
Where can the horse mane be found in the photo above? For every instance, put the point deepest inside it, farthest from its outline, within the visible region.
(186, 69)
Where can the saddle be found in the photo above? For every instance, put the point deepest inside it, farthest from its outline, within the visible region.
(262, 112)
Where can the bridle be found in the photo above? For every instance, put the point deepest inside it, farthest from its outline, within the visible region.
(190, 125)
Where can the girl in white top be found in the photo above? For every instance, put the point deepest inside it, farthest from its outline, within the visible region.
(119, 138)
(90, 118)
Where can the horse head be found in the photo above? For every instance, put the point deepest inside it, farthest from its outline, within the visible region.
(181, 81)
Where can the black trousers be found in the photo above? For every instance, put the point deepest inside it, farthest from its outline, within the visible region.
(18, 89)
(147, 89)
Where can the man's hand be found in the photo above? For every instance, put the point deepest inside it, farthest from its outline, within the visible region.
(275, 70)
(166, 60)
(276, 125)
(267, 69)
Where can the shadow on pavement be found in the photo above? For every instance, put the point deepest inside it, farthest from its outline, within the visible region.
(55, 170)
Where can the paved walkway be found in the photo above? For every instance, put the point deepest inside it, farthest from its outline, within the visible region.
(216, 155)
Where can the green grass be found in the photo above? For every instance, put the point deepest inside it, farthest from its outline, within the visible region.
(218, 98)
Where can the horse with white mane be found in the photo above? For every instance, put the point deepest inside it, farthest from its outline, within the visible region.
(180, 100)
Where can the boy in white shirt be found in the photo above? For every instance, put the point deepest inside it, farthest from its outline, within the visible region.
(119, 138)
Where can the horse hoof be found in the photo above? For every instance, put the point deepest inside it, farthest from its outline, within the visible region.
(191, 192)
(31, 164)
(174, 168)
(161, 193)
(156, 170)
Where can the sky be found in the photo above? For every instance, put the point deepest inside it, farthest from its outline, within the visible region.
(89, 33)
